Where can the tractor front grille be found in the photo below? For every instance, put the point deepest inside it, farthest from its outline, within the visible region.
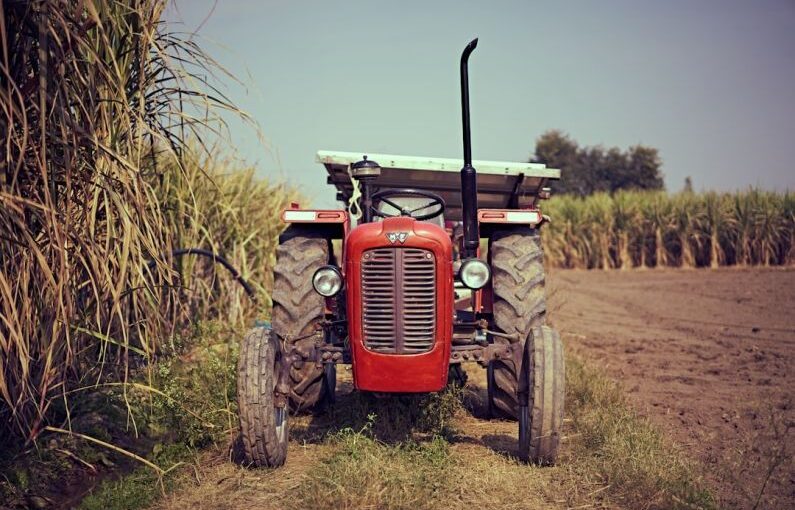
(398, 300)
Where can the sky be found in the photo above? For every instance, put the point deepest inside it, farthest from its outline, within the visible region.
(711, 84)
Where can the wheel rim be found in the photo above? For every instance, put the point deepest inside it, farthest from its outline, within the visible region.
(280, 422)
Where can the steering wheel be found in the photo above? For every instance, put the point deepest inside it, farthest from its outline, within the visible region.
(434, 200)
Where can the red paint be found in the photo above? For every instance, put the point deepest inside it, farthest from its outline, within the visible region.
(486, 299)
(413, 373)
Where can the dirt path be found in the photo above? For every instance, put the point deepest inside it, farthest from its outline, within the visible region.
(708, 355)
(485, 449)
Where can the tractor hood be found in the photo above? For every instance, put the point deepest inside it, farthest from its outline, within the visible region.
(400, 305)
(401, 231)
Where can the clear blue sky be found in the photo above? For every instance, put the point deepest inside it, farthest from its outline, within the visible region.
(711, 84)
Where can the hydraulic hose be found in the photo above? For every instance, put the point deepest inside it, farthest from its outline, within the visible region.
(218, 259)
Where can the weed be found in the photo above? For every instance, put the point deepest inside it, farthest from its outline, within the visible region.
(181, 403)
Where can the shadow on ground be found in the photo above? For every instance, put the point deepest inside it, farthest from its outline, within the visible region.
(459, 415)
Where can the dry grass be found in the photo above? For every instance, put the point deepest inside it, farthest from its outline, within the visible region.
(612, 458)
(654, 229)
(106, 116)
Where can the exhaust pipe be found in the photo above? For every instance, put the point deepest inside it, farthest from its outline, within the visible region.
(469, 185)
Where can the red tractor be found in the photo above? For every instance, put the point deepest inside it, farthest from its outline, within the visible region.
(410, 296)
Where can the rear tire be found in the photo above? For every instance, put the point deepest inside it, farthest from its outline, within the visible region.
(298, 310)
(263, 427)
(516, 259)
(541, 396)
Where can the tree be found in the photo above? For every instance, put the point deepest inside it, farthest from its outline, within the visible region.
(643, 170)
(585, 170)
(557, 150)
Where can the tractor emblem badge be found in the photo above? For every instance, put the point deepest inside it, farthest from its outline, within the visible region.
(395, 237)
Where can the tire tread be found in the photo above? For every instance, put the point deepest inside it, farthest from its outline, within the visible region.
(255, 382)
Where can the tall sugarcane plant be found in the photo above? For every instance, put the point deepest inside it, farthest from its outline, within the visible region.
(655, 229)
(95, 96)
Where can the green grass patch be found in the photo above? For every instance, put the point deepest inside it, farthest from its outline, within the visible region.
(630, 456)
(365, 472)
(165, 413)
(142, 487)
(186, 404)
(433, 473)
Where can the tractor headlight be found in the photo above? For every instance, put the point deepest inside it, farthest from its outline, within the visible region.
(327, 281)
(474, 273)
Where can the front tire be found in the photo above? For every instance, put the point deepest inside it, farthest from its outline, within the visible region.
(541, 396)
(263, 426)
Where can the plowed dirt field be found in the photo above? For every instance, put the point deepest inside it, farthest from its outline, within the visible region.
(707, 354)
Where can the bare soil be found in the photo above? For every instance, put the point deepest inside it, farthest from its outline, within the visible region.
(706, 354)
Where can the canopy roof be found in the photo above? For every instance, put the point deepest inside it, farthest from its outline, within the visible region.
(501, 184)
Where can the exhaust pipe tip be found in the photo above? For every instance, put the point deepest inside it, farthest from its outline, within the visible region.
(471, 46)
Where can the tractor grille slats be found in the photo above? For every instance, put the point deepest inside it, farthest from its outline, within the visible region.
(398, 300)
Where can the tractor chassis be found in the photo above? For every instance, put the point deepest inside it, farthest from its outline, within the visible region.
(314, 349)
